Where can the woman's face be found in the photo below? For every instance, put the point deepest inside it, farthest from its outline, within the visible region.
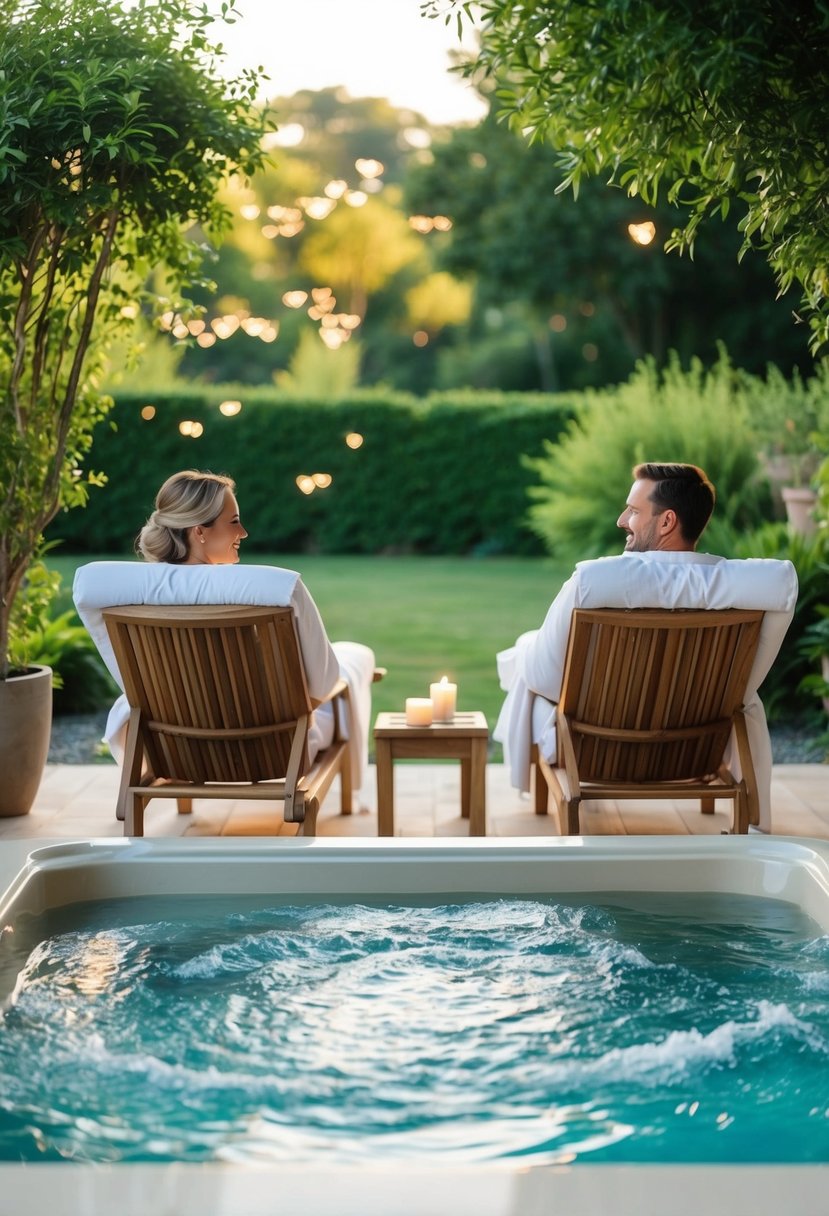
(217, 544)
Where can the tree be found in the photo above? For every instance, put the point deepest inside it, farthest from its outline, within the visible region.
(574, 263)
(359, 250)
(117, 130)
(336, 154)
(710, 103)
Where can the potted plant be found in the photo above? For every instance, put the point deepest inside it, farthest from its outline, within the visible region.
(26, 697)
(787, 416)
(799, 497)
(117, 133)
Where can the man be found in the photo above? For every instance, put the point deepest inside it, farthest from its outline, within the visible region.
(666, 512)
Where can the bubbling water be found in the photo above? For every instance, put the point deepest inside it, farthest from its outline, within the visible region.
(660, 1028)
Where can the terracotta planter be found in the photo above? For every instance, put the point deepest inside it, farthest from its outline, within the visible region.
(25, 728)
(800, 504)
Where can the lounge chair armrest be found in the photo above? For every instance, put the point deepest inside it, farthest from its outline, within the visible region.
(337, 691)
(380, 673)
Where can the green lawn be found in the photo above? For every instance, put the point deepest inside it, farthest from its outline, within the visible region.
(423, 617)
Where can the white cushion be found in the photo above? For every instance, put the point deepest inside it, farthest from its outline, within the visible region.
(633, 580)
(100, 585)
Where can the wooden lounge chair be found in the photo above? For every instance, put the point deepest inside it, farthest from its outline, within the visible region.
(219, 708)
(648, 704)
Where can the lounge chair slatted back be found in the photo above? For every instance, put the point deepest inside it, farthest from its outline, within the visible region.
(648, 703)
(218, 696)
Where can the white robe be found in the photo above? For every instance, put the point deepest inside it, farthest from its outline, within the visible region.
(100, 585)
(657, 579)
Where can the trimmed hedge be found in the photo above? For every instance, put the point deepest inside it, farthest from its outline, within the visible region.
(440, 475)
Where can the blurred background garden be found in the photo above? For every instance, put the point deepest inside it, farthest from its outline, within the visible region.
(430, 370)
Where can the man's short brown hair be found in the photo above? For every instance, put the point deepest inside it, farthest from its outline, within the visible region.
(683, 489)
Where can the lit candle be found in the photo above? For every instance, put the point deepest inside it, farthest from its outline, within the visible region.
(444, 696)
(418, 711)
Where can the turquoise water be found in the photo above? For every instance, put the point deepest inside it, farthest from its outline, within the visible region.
(669, 1029)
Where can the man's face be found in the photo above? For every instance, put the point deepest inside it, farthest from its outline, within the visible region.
(639, 519)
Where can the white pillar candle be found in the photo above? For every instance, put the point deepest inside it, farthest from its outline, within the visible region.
(418, 711)
(444, 698)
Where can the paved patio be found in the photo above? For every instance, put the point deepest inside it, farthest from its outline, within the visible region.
(77, 801)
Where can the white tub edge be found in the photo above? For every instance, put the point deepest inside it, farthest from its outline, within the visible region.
(791, 869)
(591, 1190)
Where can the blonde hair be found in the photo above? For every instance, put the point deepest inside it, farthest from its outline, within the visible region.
(185, 500)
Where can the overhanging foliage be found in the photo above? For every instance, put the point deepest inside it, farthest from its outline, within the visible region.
(720, 105)
(116, 130)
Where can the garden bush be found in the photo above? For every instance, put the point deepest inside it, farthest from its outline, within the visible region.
(810, 556)
(699, 416)
(40, 636)
(443, 474)
(790, 418)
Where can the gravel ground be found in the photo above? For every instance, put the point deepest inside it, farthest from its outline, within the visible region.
(799, 744)
(76, 739)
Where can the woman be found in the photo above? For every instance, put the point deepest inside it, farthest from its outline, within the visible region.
(190, 545)
(195, 521)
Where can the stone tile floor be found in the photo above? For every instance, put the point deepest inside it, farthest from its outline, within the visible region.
(78, 801)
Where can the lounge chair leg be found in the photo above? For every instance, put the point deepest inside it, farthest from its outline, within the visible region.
(741, 816)
(346, 785)
(134, 819)
(568, 816)
(308, 826)
(541, 792)
(132, 766)
(573, 825)
(706, 804)
(185, 806)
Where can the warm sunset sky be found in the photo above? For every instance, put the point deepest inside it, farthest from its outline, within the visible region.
(376, 48)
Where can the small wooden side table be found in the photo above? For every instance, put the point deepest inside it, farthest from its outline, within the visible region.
(464, 738)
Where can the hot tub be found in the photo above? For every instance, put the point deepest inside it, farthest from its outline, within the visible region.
(57, 876)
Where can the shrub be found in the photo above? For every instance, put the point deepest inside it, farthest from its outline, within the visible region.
(782, 687)
(814, 645)
(80, 682)
(696, 416)
(788, 416)
(440, 475)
